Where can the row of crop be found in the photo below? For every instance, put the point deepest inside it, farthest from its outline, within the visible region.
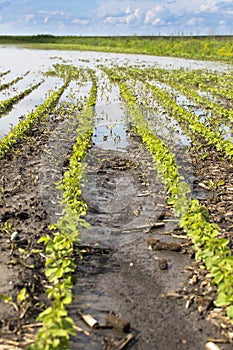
(192, 124)
(12, 82)
(60, 249)
(220, 85)
(4, 73)
(188, 121)
(210, 247)
(7, 104)
(64, 71)
(219, 113)
(20, 130)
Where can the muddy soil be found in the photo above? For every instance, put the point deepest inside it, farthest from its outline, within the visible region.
(118, 273)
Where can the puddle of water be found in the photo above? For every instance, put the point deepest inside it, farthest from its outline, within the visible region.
(20, 60)
(226, 132)
(21, 85)
(76, 92)
(203, 115)
(28, 104)
(166, 128)
(110, 130)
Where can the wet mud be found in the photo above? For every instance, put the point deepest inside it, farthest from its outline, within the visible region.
(119, 273)
(131, 265)
(137, 264)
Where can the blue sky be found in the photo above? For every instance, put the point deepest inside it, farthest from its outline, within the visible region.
(116, 17)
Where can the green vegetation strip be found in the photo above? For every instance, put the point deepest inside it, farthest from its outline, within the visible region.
(219, 84)
(60, 249)
(195, 47)
(177, 80)
(210, 247)
(4, 73)
(219, 113)
(20, 130)
(67, 72)
(7, 85)
(192, 124)
(188, 121)
(7, 104)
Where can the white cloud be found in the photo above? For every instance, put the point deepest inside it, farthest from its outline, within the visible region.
(128, 10)
(81, 21)
(157, 21)
(62, 26)
(194, 21)
(28, 18)
(135, 15)
(209, 6)
(149, 16)
(52, 13)
(222, 22)
(110, 20)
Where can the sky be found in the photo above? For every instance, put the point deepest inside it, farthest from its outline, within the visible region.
(116, 17)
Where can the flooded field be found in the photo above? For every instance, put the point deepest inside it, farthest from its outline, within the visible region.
(116, 171)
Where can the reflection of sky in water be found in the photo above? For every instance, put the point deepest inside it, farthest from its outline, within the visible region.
(76, 91)
(20, 61)
(111, 136)
(21, 85)
(190, 106)
(225, 130)
(165, 127)
(27, 104)
(110, 129)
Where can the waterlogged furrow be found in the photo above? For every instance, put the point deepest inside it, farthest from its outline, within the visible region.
(110, 128)
(57, 326)
(28, 104)
(12, 82)
(21, 83)
(219, 85)
(210, 247)
(8, 104)
(76, 92)
(4, 73)
(20, 130)
(217, 113)
(189, 122)
(208, 113)
(159, 119)
(193, 127)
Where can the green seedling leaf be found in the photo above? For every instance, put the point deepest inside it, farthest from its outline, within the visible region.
(21, 297)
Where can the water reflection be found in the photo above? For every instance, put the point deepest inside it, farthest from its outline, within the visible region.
(28, 104)
(16, 61)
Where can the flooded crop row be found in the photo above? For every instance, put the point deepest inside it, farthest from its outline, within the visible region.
(116, 171)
